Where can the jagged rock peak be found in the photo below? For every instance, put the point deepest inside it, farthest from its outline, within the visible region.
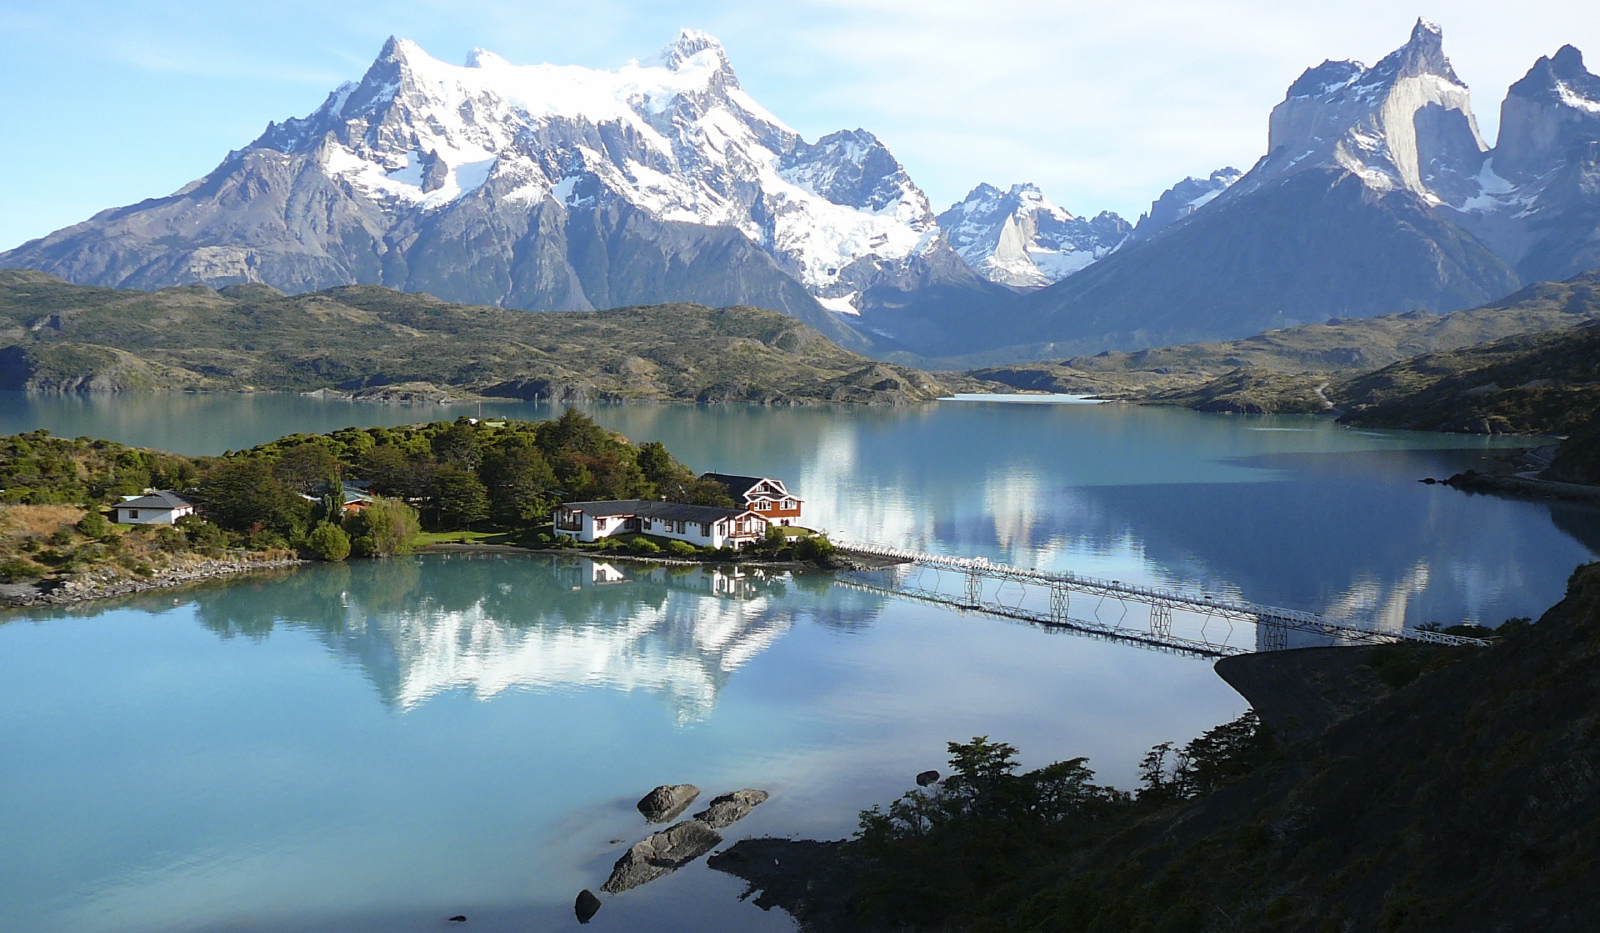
(1183, 199)
(1423, 54)
(1404, 123)
(1018, 237)
(690, 43)
(1561, 79)
(1548, 118)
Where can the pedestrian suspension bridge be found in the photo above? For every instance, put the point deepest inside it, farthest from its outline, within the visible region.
(1196, 624)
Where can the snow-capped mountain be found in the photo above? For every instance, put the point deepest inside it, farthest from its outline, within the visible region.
(1406, 123)
(540, 187)
(1019, 238)
(1377, 194)
(1183, 199)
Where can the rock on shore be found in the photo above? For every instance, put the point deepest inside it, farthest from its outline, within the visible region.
(105, 582)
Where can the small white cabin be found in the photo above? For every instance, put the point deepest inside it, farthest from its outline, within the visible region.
(700, 525)
(163, 507)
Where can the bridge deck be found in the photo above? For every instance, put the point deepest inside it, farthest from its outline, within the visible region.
(1161, 601)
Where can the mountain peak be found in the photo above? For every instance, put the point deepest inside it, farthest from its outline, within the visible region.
(1568, 62)
(1423, 54)
(688, 44)
(400, 51)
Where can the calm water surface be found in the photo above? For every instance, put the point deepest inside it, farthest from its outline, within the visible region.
(380, 746)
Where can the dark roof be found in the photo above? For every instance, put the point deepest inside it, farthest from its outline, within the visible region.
(738, 486)
(162, 499)
(650, 508)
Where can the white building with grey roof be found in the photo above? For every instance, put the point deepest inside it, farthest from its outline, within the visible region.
(161, 507)
(700, 525)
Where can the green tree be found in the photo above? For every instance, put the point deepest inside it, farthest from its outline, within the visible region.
(382, 529)
(304, 467)
(387, 468)
(328, 541)
(240, 493)
(458, 444)
(330, 508)
(459, 498)
(521, 484)
(573, 432)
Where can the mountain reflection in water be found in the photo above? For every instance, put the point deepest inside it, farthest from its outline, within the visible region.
(500, 621)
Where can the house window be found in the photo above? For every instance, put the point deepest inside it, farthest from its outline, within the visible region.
(133, 513)
(763, 505)
(681, 527)
(705, 529)
(788, 503)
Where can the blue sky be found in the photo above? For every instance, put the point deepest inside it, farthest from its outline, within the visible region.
(1101, 104)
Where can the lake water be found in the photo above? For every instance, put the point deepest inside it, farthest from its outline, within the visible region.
(382, 745)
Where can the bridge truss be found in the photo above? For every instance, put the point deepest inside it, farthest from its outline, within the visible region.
(1205, 624)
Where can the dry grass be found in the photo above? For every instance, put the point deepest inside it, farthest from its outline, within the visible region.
(37, 519)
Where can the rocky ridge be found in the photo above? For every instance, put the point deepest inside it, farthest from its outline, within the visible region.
(1019, 238)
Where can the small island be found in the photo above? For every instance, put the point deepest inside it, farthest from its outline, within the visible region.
(85, 518)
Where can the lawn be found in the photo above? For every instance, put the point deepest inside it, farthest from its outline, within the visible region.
(461, 537)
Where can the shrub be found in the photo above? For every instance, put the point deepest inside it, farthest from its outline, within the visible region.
(682, 549)
(384, 528)
(19, 568)
(814, 547)
(644, 546)
(93, 524)
(328, 541)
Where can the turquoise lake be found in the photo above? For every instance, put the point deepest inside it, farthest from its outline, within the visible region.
(382, 745)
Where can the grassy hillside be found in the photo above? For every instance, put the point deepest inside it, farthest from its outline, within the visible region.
(1315, 352)
(57, 336)
(1543, 383)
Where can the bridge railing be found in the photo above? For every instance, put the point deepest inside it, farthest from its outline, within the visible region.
(1206, 604)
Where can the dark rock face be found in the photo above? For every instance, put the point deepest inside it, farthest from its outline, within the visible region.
(586, 906)
(1187, 196)
(667, 801)
(728, 809)
(661, 854)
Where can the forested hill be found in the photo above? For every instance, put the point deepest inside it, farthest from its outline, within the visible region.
(55, 336)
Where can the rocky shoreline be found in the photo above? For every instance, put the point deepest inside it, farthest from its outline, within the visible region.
(104, 584)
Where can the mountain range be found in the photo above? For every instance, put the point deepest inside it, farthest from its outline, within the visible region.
(558, 188)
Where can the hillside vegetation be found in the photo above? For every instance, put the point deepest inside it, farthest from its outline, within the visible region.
(1543, 383)
(1446, 791)
(55, 336)
(1278, 370)
(286, 497)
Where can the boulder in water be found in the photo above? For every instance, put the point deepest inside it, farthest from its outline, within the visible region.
(728, 809)
(667, 801)
(661, 854)
(587, 905)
